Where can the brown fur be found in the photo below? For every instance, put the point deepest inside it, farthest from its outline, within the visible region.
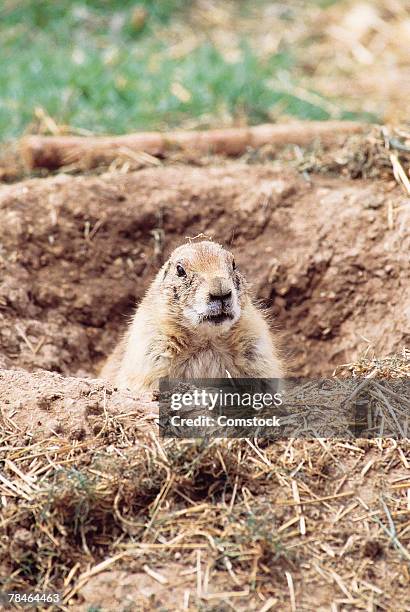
(172, 334)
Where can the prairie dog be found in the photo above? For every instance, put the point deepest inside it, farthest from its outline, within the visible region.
(196, 320)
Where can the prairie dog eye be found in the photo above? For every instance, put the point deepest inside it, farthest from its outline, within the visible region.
(180, 271)
(233, 265)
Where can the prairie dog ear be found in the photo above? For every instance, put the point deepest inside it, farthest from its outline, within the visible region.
(166, 270)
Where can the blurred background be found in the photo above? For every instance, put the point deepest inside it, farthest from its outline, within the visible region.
(112, 66)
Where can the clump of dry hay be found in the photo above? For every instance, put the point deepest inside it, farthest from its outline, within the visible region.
(248, 523)
(393, 367)
(381, 152)
(378, 154)
(370, 398)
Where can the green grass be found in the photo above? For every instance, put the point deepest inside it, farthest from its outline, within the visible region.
(87, 66)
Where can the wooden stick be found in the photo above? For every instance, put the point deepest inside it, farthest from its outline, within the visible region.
(52, 152)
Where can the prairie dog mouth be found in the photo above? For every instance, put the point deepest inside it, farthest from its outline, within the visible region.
(217, 319)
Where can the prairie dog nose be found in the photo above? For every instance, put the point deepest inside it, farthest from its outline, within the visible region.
(219, 289)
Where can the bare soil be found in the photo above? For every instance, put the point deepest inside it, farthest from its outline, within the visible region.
(44, 404)
(77, 253)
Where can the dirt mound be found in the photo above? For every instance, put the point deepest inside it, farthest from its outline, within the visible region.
(121, 519)
(328, 257)
(43, 405)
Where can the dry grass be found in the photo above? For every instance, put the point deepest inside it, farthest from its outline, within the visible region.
(380, 154)
(233, 523)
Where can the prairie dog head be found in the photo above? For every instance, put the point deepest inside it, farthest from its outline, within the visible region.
(202, 286)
